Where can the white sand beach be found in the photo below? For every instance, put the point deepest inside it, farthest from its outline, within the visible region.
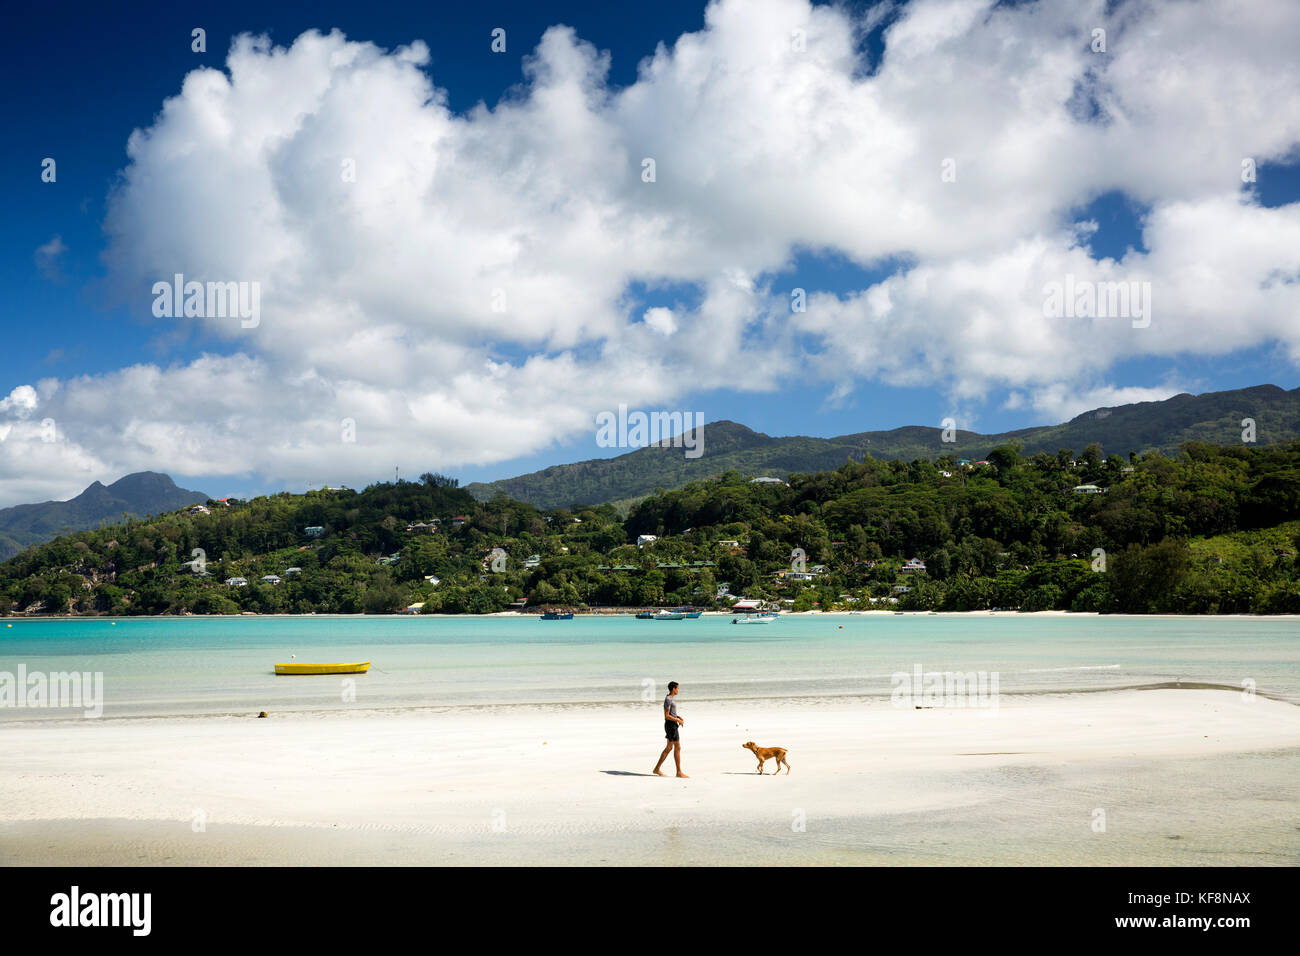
(1201, 776)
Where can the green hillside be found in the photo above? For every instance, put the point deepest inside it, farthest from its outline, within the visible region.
(139, 495)
(1210, 531)
(1146, 426)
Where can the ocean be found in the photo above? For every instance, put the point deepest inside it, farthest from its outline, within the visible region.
(224, 665)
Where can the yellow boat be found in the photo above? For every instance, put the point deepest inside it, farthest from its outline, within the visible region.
(360, 668)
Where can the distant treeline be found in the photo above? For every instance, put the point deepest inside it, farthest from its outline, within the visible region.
(1213, 530)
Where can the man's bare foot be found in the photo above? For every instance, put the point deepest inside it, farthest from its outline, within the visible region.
(682, 775)
(658, 772)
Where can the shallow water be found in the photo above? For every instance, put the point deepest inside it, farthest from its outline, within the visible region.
(179, 666)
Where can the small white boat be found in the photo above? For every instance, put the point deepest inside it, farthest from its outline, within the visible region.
(755, 619)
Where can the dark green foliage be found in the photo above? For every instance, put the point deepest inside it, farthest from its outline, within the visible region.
(1214, 530)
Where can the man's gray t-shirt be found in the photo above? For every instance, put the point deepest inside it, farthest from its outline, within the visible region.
(670, 705)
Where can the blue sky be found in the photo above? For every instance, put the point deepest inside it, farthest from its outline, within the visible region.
(81, 77)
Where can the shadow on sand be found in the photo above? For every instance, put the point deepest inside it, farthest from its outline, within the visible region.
(626, 773)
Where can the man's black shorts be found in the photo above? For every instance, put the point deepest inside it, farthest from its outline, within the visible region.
(670, 730)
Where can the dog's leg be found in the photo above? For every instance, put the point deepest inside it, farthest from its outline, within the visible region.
(760, 767)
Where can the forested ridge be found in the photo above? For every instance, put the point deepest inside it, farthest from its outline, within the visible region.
(1214, 529)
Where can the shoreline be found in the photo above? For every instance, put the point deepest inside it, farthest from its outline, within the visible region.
(630, 612)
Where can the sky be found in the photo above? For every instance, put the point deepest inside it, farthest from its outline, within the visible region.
(467, 231)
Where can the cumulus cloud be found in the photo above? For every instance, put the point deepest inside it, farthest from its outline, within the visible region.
(457, 285)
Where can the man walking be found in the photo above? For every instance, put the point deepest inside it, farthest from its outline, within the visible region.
(671, 724)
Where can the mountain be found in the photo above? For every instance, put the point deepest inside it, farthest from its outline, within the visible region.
(1144, 426)
(141, 495)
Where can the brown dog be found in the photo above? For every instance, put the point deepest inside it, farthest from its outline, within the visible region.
(764, 754)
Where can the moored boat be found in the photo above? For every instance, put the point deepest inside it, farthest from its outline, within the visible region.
(557, 616)
(764, 618)
(302, 669)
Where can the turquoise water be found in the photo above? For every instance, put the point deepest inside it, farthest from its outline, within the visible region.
(168, 666)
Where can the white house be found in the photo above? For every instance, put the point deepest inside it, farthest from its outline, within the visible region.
(644, 539)
(270, 579)
(1087, 490)
(913, 566)
(237, 582)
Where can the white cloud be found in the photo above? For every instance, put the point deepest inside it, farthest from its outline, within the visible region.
(661, 320)
(21, 401)
(378, 294)
(49, 256)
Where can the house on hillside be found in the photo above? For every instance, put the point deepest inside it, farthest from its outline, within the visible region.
(270, 579)
(643, 539)
(459, 520)
(913, 566)
(291, 572)
(313, 531)
(199, 510)
(237, 582)
(1088, 490)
